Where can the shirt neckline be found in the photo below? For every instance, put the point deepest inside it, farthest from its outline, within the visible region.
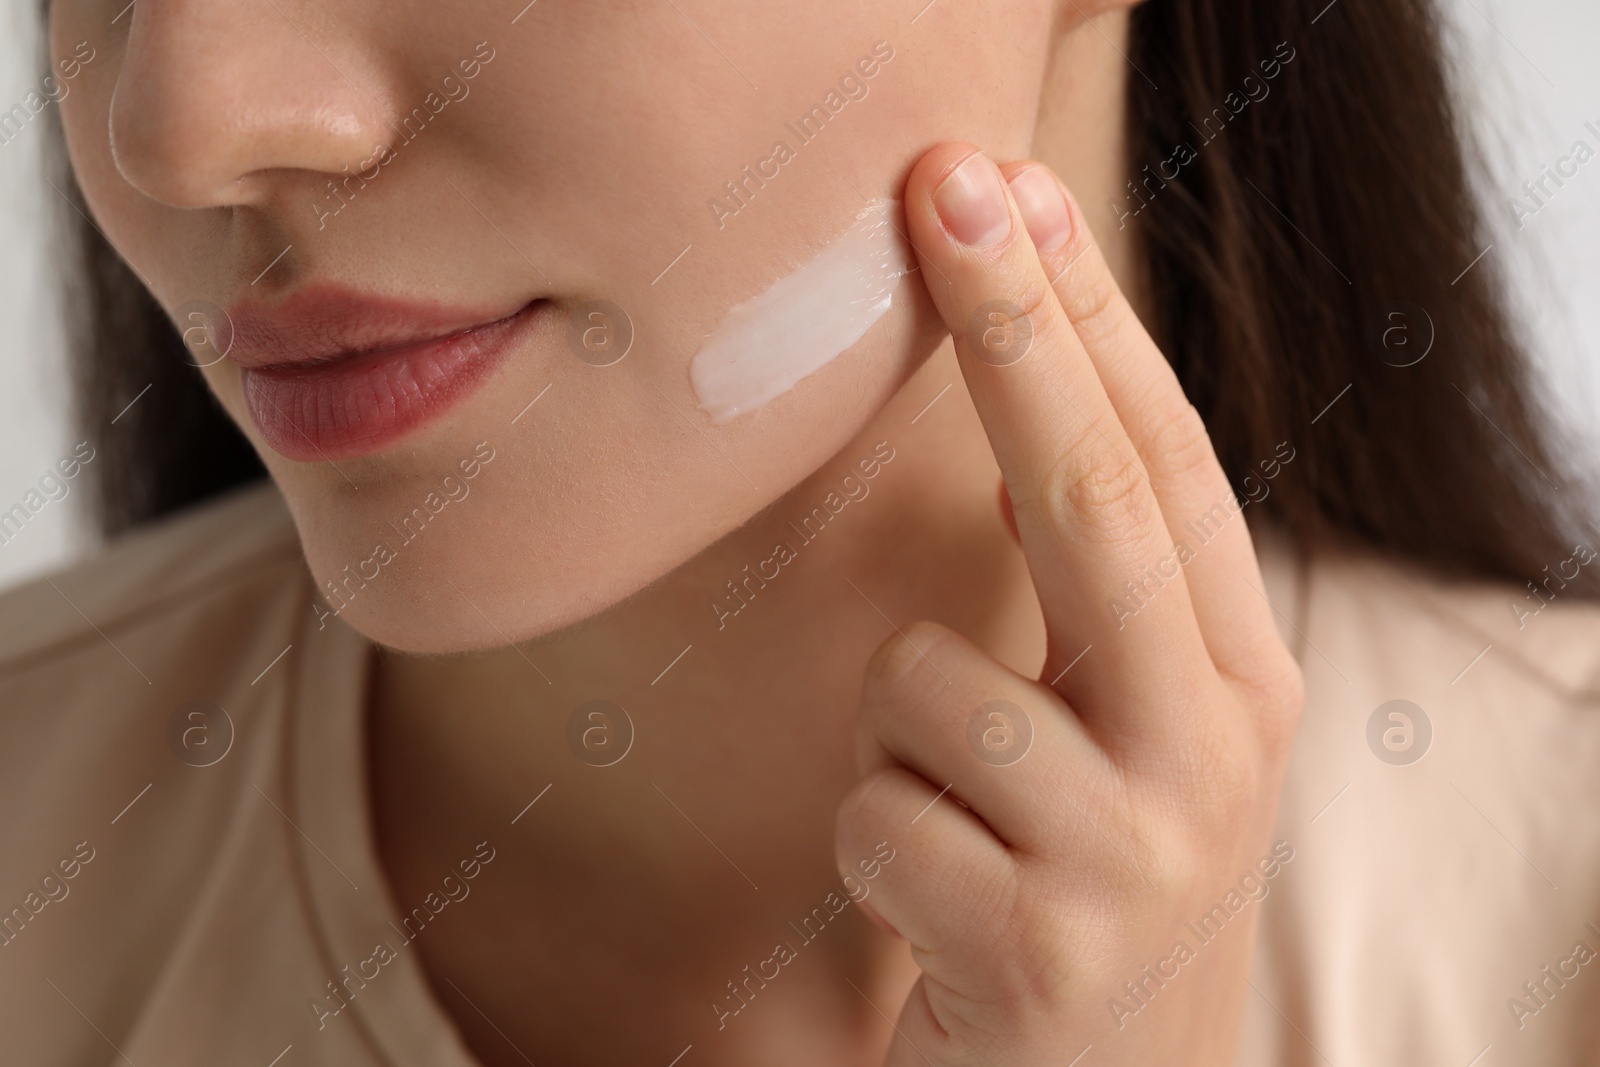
(350, 903)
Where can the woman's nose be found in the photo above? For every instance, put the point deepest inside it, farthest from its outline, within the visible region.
(220, 103)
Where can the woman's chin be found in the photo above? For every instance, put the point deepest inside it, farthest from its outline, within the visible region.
(435, 619)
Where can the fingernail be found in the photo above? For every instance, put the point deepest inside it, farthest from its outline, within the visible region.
(972, 204)
(1043, 207)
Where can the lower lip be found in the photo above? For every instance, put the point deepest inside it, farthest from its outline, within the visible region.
(363, 404)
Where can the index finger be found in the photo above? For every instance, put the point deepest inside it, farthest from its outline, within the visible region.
(1087, 515)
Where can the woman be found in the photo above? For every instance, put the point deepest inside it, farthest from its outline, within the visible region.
(631, 658)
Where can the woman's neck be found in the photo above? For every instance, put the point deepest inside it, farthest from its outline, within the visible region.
(731, 689)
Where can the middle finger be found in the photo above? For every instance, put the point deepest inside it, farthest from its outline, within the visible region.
(1085, 510)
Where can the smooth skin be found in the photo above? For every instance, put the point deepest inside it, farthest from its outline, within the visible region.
(1030, 891)
(202, 134)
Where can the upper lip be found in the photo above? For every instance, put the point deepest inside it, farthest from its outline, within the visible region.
(329, 323)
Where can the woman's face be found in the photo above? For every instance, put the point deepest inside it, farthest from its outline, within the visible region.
(298, 180)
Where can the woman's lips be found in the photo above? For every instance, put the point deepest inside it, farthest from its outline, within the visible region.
(330, 375)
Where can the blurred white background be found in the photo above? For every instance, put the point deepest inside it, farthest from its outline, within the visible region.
(1527, 68)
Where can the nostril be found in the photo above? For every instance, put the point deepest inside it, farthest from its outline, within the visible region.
(167, 156)
(220, 105)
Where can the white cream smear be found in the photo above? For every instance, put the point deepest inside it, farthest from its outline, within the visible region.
(767, 344)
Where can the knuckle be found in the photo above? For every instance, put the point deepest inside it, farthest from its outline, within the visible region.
(1272, 689)
(1050, 327)
(1094, 305)
(1098, 492)
(1181, 445)
(1282, 695)
(865, 808)
(1036, 302)
(1049, 955)
(902, 655)
(1026, 318)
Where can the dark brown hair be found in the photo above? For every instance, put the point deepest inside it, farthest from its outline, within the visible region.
(1327, 214)
(1300, 215)
(175, 445)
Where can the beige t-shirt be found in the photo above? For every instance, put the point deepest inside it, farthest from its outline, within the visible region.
(184, 888)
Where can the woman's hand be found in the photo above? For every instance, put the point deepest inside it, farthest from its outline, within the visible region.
(1097, 820)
